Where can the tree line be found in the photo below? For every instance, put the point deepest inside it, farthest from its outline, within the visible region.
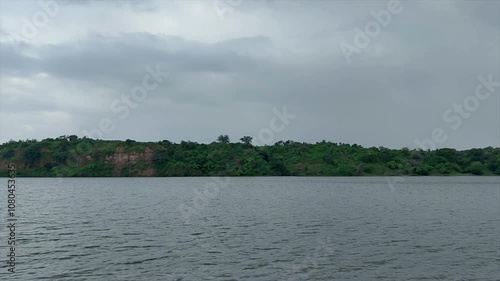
(74, 156)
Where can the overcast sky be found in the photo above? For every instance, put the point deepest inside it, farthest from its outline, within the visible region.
(71, 67)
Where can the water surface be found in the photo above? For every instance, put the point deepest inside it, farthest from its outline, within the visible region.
(269, 228)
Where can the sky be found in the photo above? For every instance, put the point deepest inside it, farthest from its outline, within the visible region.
(418, 74)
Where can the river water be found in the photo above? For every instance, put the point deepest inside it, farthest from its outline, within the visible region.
(262, 228)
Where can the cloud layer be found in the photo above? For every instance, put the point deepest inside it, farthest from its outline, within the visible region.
(228, 71)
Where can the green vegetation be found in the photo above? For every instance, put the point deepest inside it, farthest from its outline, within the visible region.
(72, 156)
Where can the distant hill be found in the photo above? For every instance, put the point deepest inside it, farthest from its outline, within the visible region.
(71, 156)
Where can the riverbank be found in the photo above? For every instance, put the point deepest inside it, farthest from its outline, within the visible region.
(70, 156)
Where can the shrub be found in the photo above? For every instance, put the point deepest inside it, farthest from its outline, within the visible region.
(160, 156)
(392, 165)
(32, 154)
(476, 168)
(8, 153)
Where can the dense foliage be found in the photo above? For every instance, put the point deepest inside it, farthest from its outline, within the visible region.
(73, 156)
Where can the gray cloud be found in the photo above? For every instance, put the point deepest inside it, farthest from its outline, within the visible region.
(227, 75)
(101, 57)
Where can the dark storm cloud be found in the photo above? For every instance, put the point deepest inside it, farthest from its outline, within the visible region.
(113, 57)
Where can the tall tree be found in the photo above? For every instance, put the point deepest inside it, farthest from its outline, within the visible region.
(223, 139)
(247, 140)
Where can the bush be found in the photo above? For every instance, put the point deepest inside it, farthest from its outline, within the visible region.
(8, 153)
(160, 156)
(60, 156)
(444, 169)
(422, 170)
(392, 165)
(346, 170)
(476, 168)
(368, 169)
(370, 157)
(279, 167)
(32, 154)
(50, 165)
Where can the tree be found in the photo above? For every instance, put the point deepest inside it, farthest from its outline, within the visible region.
(369, 157)
(346, 169)
(476, 168)
(279, 167)
(247, 140)
(494, 165)
(392, 165)
(187, 145)
(443, 169)
(160, 156)
(8, 153)
(60, 156)
(448, 153)
(32, 154)
(50, 165)
(422, 170)
(83, 156)
(223, 139)
(60, 153)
